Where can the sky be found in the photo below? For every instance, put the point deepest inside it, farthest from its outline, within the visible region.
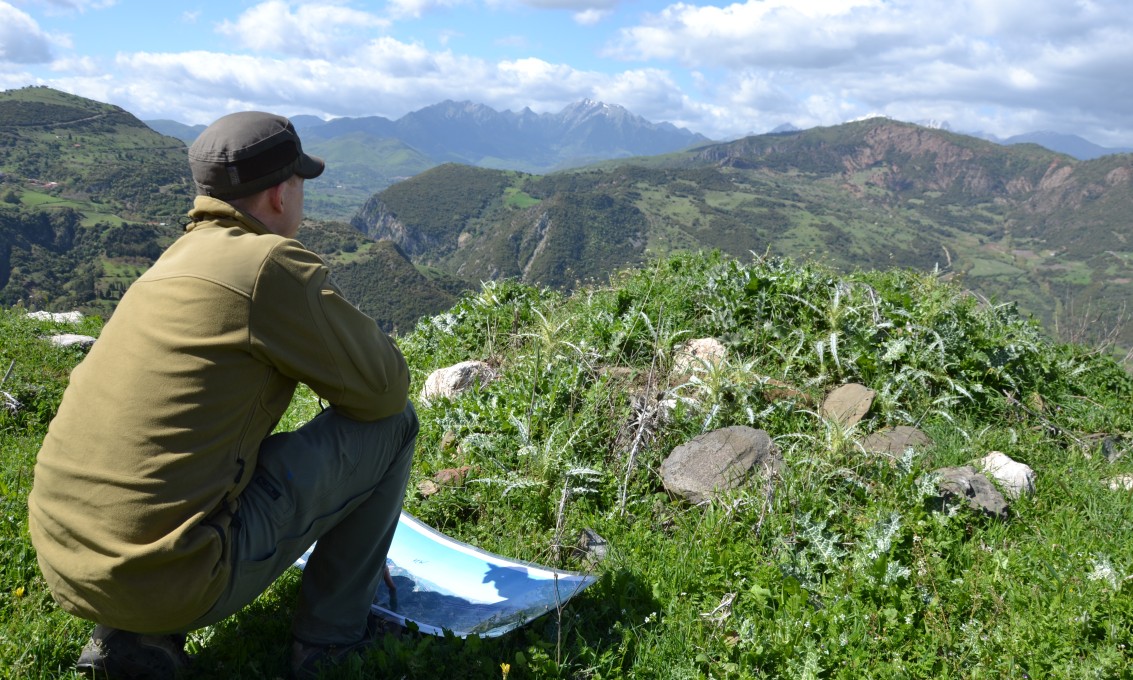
(999, 67)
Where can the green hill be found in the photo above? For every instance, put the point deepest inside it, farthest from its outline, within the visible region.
(846, 563)
(1013, 223)
(358, 164)
(378, 278)
(59, 149)
(90, 197)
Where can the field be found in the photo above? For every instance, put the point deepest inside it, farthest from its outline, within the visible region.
(842, 566)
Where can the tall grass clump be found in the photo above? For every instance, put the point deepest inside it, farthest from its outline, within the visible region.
(842, 565)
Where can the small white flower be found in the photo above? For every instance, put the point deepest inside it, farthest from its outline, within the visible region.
(1104, 571)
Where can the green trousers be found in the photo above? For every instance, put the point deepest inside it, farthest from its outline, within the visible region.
(336, 481)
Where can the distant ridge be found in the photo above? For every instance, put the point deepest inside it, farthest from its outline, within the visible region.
(369, 153)
(475, 134)
(171, 128)
(1071, 145)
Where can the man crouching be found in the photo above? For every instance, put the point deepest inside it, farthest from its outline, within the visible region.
(162, 503)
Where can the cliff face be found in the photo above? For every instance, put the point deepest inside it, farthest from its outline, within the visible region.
(376, 220)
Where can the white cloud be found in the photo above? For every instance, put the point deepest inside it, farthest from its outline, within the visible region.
(822, 61)
(589, 17)
(767, 32)
(385, 77)
(583, 12)
(401, 9)
(74, 5)
(79, 65)
(310, 30)
(21, 39)
(1004, 67)
(575, 5)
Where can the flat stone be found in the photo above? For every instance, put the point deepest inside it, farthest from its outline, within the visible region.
(591, 548)
(777, 390)
(56, 317)
(694, 354)
(719, 461)
(1121, 483)
(452, 476)
(71, 340)
(848, 404)
(893, 441)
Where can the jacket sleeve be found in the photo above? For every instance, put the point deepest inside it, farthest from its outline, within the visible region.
(302, 325)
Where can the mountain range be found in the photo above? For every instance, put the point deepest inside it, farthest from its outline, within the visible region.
(1071, 145)
(610, 125)
(1018, 224)
(370, 153)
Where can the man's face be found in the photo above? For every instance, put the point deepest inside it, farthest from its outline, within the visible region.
(293, 206)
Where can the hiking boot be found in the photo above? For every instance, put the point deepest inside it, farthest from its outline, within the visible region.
(309, 660)
(121, 655)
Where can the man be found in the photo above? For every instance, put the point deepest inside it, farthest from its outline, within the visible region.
(160, 502)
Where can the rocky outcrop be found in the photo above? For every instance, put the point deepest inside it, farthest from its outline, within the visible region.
(377, 221)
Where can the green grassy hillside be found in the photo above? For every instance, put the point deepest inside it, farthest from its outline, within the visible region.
(378, 278)
(358, 164)
(72, 149)
(840, 567)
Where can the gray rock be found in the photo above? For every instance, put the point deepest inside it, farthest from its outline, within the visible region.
(9, 403)
(718, 461)
(894, 441)
(967, 484)
(1120, 483)
(591, 548)
(1015, 478)
(56, 317)
(71, 340)
(776, 390)
(452, 380)
(1110, 450)
(848, 404)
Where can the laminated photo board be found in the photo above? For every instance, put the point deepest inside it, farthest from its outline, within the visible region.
(442, 584)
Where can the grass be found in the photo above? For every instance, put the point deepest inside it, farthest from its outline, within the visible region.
(838, 569)
(516, 198)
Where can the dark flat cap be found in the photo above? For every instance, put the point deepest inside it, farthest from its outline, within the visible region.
(247, 152)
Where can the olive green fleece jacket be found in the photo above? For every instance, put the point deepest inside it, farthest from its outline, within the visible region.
(160, 426)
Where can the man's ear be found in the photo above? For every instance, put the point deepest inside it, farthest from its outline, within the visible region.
(276, 196)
